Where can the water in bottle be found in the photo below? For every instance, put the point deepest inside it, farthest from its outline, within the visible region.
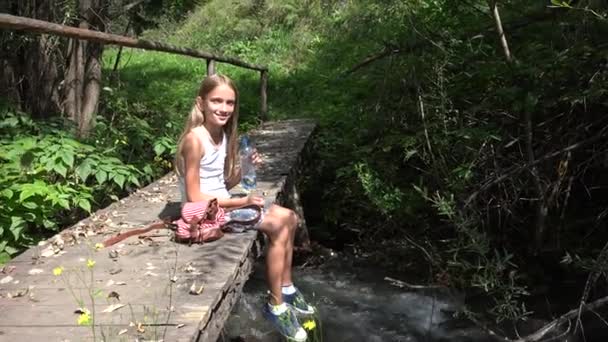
(248, 177)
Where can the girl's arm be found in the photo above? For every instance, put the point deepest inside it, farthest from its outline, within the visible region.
(192, 153)
(234, 180)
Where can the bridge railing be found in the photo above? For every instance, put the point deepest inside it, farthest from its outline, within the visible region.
(13, 22)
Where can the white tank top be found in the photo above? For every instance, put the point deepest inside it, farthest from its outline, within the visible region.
(211, 170)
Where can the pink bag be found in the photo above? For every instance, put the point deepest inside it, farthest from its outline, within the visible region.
(200, 222)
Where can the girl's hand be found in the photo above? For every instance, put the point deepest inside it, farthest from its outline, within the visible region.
(256, 158)
(255, 200)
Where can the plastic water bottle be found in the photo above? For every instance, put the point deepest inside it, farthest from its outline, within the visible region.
(248, 177)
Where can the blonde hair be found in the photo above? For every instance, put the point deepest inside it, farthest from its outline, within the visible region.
(196, 118)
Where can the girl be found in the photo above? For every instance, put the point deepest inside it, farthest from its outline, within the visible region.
(207, 168)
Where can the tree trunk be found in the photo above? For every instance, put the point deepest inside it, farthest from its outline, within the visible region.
(92, 90)
(30, 68)
(83, 77)
(73, 79)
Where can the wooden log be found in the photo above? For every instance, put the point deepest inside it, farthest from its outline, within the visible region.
(13, 22)
(264, 95)
(210, 67)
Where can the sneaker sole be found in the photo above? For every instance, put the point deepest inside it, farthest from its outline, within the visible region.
(304, 312)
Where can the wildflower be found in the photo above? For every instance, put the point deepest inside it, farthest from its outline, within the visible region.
(84, 318)
(309, 325)
(58, 270)
(90, 263)
(98, 246)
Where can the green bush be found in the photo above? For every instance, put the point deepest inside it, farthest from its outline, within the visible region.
(48, 179)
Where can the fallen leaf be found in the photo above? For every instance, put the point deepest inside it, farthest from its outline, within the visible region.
(125, 251)
(113, 307)
(17, 294)
(122, 331)
(140, 328)
(47, 252)
(121, 283)
(35, 271)
(8, 269)
(173, 279)
(114, 294)
(115, 271)
(180, 325)
(6, 280)
(194, 290)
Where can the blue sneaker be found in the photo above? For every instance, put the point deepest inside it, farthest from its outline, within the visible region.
(297, 302)
(286, 323)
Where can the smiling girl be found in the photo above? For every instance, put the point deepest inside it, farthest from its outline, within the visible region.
(207, 167)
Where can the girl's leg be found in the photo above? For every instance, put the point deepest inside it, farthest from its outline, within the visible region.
(279, 236)
(289, 219)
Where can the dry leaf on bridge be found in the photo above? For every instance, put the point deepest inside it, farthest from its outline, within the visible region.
(113, 307)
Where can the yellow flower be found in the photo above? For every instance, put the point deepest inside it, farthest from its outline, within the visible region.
(84, 318)
(58, 270)
(98, 246)
(90, 263)
(309, 325)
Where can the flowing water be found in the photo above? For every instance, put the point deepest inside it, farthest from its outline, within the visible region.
(356, 304)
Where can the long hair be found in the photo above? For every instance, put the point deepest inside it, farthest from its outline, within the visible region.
(197, 118)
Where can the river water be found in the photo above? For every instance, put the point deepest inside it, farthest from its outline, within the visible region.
(356, 304)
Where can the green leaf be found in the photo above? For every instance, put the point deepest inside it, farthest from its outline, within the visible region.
(48, 224)
(85, 169)
(68, 157)
(30, 205)
(11, 250)
(8, 193)
(101, 176)
(9, 122)
(134, 180)
(84, 204)
(17, 225)
(60, 169)
(26, 193)
(64, 203)
(159, 149)
(120, 180)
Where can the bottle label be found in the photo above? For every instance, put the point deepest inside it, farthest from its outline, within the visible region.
(248, 182)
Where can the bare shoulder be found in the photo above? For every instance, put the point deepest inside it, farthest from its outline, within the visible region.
(192, 146)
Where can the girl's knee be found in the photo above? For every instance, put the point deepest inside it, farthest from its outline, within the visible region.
(274, 229)
(291, 220)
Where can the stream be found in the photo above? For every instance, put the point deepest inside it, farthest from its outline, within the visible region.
(356, 304)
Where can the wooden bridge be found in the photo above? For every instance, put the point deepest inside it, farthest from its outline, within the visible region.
(146, 287)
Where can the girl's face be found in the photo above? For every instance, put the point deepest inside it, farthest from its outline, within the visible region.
(218, 105)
